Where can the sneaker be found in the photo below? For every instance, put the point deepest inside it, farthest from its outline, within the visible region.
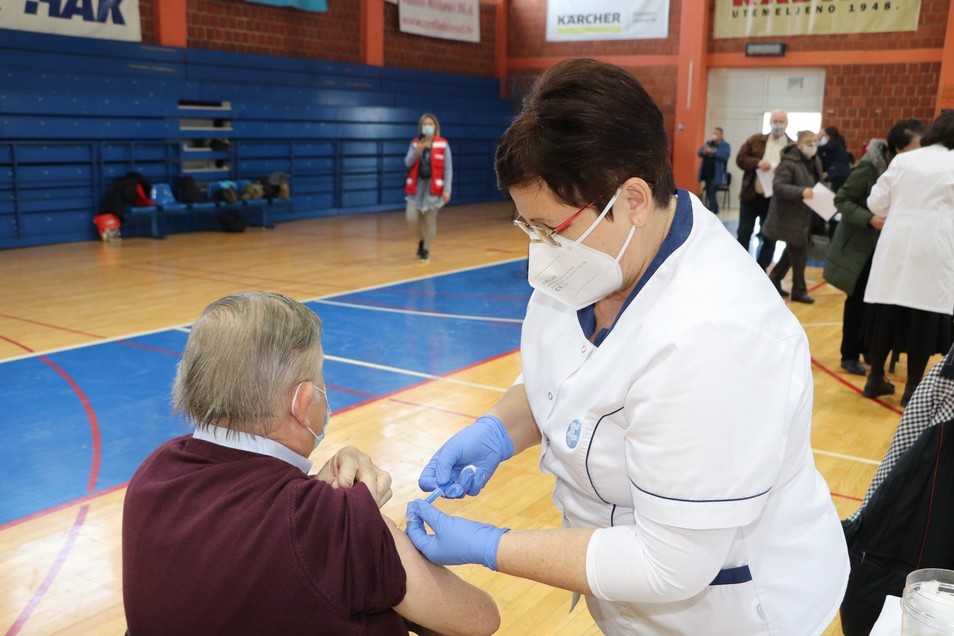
(425, 255)
(877, 386)
(854, 367)
(802, 298)
(420, 249)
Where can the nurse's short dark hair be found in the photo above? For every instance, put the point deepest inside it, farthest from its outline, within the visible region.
(585, 128)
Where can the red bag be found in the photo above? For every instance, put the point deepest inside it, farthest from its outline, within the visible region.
(108, 227)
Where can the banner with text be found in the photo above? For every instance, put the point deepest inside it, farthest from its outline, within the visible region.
(445, 19)
(104, 19)
(607, 20)
(755, 18)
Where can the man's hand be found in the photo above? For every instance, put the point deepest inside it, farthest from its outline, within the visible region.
(876, 222)
(349, 465)
(446, 197)
(807, 194)
(765, 165)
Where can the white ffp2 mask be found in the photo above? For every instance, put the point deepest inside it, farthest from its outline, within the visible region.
(575, 274)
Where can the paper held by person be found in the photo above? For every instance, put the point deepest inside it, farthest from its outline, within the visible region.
(765, 178)
(822, 201)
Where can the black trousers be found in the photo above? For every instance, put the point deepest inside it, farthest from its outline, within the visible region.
(795, 258)
(748, 212)
(852, 345)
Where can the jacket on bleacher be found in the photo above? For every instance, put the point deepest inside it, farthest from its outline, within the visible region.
(130, 190)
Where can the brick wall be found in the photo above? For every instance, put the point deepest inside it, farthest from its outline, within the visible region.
(147, 14)
(406, 50)
(864, 101)
(527, 37)
(335, 35)
(229, 25)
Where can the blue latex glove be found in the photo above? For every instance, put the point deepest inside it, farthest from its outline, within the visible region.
(455, 540)
(468, 459)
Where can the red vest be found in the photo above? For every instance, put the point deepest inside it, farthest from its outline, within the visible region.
(437, 168)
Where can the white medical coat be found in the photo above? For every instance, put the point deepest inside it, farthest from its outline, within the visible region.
(694, 411)
(913, 264)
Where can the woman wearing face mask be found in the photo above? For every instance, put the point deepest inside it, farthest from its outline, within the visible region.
(666, 384)
(912, 272)
(789, 219)
(224, 530)
(428, 183)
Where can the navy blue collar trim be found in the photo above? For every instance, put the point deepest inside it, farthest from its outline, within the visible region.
(678, 233)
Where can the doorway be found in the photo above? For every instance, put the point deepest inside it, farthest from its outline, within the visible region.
(739, 101)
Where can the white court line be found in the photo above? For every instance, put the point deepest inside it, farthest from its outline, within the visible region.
(861, 460)
(47, 352)
(417, 374)
(186, 326)
(509, 321)
(183, 329)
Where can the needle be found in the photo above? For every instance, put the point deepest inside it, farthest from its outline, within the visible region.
(431, 498)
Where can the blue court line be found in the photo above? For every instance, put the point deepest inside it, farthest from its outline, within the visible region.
(49, 448)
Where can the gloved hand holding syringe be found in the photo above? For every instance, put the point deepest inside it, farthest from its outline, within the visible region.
(431, 498)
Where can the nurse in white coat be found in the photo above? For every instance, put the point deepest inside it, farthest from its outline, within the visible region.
(666, 383)
(911, 284)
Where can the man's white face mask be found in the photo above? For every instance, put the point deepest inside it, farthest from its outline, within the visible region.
(324, 429)
(575, 274)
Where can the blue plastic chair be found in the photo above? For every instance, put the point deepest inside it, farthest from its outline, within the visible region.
(165, 200)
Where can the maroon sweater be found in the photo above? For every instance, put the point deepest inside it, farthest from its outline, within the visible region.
(224, 541)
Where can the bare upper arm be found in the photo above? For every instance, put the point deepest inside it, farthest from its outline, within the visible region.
(440, 600)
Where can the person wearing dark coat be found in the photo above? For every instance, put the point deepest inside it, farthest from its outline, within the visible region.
(835, 158)
(853, 243)
(789, 219)
(759, 152)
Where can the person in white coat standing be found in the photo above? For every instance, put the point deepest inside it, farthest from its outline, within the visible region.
(666, 384)
(912, 273)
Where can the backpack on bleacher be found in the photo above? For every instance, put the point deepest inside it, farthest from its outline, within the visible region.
(276, 186)
(190, 192)
(128, 191)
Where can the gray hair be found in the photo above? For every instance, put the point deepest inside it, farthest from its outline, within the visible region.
(876, 152)
(244, 356)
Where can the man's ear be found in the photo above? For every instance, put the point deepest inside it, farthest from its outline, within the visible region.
(302, 397)
(637, 197)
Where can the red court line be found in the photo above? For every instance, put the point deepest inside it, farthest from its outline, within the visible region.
(139, 345)
(90, 413)
(51, 575)
(46, 324)
(386, 396)
(93, 423)
(434, 408)
(853, 387)
(835, 494)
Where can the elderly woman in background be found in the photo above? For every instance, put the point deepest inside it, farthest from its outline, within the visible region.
(789, 219)
(912, 273)
(853, 244)
(224, 531)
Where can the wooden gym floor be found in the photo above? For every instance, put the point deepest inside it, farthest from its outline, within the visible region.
(63, 305)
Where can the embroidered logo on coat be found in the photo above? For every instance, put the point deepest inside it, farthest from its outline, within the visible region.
(573, 433)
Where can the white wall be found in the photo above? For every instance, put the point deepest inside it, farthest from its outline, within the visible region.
(739, 98)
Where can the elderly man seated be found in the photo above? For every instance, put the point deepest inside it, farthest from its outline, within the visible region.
(224, 530)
